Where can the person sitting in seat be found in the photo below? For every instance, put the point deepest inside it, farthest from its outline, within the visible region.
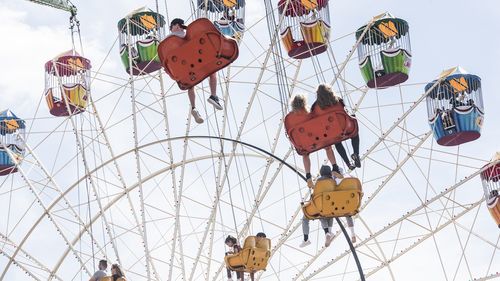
(258, 237)
(326, 223)
(116, 273)
(350, 221)
(177, 28)
(299, 106)
(447, 118)
(101, 273)
(232, 242)
(325, 97)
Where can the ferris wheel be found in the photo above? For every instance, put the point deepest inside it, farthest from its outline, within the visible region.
(114, 165)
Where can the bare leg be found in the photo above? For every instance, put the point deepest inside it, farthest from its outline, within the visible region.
(330, 155)
(307, 163)
(213, 84)
(192, 97)
(350, 224)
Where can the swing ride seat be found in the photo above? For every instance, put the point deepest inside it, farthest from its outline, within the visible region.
(320, 128)
(203, 51)
(253, 257)
(110, 278)
(330, 200)
(76, 97)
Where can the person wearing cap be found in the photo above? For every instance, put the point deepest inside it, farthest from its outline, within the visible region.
(177, 28)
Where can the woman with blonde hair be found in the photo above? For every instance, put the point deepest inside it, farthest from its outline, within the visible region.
(299, 106)
(326, 98)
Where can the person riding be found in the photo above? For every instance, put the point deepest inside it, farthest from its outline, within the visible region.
(116, 273)
(101, 273)
(232, 243)
(177, 28)
(299, 107)
(326, 223)
(324, 99)
(258, 238)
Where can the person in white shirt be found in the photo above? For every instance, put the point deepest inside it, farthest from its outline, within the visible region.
(101, 273)
(177, 28)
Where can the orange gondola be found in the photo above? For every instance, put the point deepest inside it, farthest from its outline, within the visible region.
(313, 131)
(203, 51)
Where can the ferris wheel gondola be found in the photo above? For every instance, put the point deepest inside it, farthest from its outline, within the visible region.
(384, 51)
(12, 135)
(455, 107)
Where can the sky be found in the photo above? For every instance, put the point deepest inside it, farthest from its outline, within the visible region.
(444, 34)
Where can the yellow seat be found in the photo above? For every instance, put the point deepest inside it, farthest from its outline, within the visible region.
(110, 278)
(253, 257)
(77, 95)
(330, 200)
(315, 32)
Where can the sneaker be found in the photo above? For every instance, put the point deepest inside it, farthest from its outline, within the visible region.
(310, 183)
(305, 243)
(197, 116)
(353, 239)
(229, 279)
(351, 167)
(356, 159)
(214, 100)
(328, 239)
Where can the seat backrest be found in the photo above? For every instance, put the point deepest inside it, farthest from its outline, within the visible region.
(264, 243)
(324, 185)
(249, 242)
(349, 184)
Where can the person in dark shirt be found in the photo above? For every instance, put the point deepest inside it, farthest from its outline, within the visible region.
(232, 243)
(326, 98)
